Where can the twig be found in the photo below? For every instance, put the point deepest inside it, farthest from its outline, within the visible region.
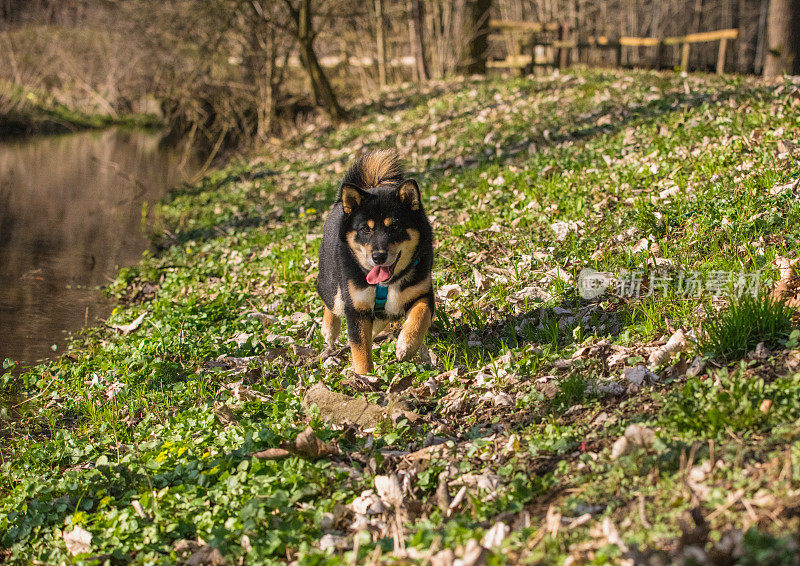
(42, 392)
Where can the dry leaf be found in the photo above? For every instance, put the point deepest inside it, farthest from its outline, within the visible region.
(128, 328)
(635, 435)
(206, 556)
(457, 500)
(224, 414)
(552, 521)
(307, 444)
(638, 374)
(676, 343)
(243, 393)
(389, 490)
(474, 554)
(778, 189)
(400, 384)
(788, 288)
(368, 503)
(78, 540)
(482, 283)
(449, 292)
(496, 534)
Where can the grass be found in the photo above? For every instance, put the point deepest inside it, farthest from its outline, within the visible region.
(146, 440)
(746, 322)
(25, 112)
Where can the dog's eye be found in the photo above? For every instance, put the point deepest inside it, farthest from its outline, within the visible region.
(365, 229)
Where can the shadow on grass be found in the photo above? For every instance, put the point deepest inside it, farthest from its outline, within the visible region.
(552, 327)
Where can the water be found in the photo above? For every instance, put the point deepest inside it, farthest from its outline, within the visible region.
(71, 213)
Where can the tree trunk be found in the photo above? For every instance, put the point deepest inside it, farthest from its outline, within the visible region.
(321, 89)
(783, 38)
(380, 41)
(479, 42)
(416, 20)
(697, 15)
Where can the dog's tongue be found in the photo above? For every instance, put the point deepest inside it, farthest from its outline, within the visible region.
(379, 274)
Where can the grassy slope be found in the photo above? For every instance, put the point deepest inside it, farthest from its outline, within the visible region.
(145, 418)
(25, 113)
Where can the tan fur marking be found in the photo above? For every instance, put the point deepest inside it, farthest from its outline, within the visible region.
(331, 326)
(361, 351)
(409, 194)
(378, 325)
(362, 253)
(363, 298)
(408, 247)
(371, 224)
(387, 222)
(414, 329)
(379, 166)
(351, 198)
(338, 304)
(395, 300)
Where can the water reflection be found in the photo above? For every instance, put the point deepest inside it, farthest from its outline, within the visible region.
(71, 212)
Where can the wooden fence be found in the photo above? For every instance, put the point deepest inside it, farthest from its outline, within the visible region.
(527, 39)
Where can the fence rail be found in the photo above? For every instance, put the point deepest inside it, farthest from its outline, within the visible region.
(557, 36)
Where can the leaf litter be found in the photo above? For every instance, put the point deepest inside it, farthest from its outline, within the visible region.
(479, 444)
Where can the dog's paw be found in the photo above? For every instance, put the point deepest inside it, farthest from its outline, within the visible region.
(405, 349)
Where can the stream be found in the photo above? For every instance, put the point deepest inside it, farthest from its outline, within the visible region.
(73, 210)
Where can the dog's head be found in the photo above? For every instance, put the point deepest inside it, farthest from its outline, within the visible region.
(382, 227)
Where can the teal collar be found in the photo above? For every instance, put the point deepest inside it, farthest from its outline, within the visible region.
(382, 292)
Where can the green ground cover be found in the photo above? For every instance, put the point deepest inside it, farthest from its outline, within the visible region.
(533, 431)
(25, 112)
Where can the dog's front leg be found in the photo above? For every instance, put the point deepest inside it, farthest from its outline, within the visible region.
(418, 320)
(359, 330)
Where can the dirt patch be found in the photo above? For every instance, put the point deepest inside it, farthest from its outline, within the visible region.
(342, 409)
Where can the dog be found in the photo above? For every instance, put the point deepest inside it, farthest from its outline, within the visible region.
(375, 260)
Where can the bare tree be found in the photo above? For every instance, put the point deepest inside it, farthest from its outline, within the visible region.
(380, 42)
(304, 33)
(783, 38)
(262, 67)
(416, 22)
(478, 22)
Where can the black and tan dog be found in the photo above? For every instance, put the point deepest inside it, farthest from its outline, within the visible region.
(375, 260)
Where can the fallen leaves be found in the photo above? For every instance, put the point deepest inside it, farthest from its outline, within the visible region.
(78, 540)
(675, 344)
(126, 329)
(791, 186)
(635, 436)
(482, 283)
(306, 445)
(788, 288)
(449, 292)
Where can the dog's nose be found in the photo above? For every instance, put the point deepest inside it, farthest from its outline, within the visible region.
(379, 257)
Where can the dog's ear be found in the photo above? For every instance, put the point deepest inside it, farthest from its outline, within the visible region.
(351, 197)
(408, 193)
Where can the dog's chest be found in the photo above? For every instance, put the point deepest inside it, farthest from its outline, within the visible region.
(394, 302)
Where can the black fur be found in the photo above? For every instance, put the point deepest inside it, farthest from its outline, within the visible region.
(337, 261)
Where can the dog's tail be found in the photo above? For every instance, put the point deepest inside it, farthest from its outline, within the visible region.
(374, 169)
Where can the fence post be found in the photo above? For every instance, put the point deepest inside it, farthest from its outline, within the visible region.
(723, 45)
(618, 50)
(685, 57)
